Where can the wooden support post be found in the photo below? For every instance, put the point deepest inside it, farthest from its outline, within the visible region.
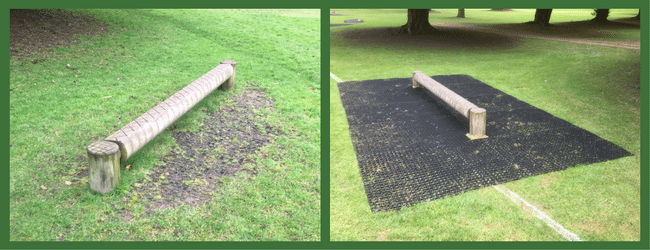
(477, 117)
(230, 83)
(104, 166)
(416, 84)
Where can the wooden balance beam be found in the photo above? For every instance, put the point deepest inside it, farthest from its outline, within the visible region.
(476, 115)
(104, 157)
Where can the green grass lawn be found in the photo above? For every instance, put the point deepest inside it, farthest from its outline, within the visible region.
(595, 88)
(144, 57)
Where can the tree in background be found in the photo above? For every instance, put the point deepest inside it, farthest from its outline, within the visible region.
(461, 13)
(601, 15)
(542, 17)
(418, 23)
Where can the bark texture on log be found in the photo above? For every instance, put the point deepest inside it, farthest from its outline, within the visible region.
(143, 129)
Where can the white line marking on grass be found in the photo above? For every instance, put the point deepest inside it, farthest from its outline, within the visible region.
(335, 78)
(539, 214)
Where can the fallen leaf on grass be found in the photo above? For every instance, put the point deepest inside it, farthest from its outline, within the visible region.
(68, 183)
(43, 187)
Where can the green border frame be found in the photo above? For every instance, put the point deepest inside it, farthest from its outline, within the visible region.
(325, 243)
(644, 242)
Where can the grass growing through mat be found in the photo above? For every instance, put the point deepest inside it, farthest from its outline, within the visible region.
(146, 56)
(595, 88)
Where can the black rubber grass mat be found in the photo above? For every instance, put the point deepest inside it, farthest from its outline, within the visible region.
(411, 147)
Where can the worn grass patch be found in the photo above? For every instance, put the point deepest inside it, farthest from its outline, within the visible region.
(265, 179)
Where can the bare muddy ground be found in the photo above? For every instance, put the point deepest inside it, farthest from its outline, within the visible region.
(33, 30)
(226, 143)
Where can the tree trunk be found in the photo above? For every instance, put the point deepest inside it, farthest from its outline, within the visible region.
(601, 15)
(461, 13)
(542, 16)
(418, 23)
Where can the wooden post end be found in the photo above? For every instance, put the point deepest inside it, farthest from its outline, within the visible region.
(477, 118)
(416, 84)
(230, 83)
(103, 166)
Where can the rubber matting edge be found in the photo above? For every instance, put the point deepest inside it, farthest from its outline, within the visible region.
(411, 147)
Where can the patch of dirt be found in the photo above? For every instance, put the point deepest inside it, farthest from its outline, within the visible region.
(31, 30)
(446, 38)
(547, 180)
(592, 227)
(224, 146)
(383, 236)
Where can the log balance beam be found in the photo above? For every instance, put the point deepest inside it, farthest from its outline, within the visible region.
(476, 115)
(104, 157)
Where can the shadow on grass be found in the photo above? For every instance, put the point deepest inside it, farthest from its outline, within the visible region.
(34, 29)
(580, 29)
(444, 39)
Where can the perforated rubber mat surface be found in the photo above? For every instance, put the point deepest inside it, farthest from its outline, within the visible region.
(411, 147)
